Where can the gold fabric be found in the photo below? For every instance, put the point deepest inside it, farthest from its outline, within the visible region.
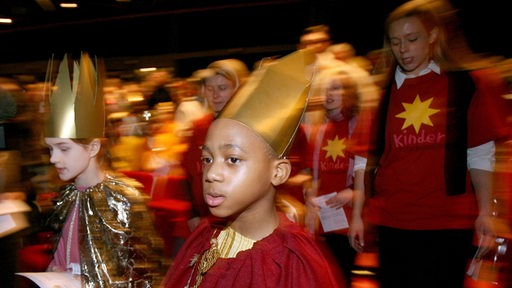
(232, 242)
(118, 244)
(207, 261)
(226, 245)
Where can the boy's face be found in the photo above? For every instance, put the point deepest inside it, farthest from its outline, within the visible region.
(238, 171)
(318, 41)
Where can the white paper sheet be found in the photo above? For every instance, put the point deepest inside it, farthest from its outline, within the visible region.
(13, 206)
(53, 279)
(6, 223)
(332, 219)
(11, 223)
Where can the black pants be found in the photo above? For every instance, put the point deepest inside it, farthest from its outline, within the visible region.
(9, 246)
(343, 253)
(411, 258)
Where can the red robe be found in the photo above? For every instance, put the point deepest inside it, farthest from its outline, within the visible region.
(286, 258)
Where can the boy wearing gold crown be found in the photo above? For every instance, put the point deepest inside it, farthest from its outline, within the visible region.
(251, 244)
(104, 236)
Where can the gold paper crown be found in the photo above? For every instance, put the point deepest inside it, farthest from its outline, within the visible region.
(75, 104)
(273, 101)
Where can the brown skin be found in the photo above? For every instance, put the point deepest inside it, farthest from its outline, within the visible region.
(240, 172)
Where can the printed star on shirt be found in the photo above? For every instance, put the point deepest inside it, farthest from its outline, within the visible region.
(335, 148)
(417, 113)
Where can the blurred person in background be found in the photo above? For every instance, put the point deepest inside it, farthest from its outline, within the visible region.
(158, 82)
(219, 82)
(345, 52)
(12, 186)
(191, 106)
(104, 234)
(360, 67)
(330, 166)
(125, 126)
(317, 38)
(164, 144)
(433, 150)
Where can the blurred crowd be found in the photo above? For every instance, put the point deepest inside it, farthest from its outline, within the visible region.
(151, 123)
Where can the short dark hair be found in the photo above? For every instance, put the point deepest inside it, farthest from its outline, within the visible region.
(317, 28)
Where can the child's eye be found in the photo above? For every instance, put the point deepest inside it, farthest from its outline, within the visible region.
(233, 160)
(206, 160)
(412, 39)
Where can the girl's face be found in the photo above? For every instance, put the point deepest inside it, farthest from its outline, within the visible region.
(237, 170)
(411, 44)
(218, 90)
(70, 158)
(334, 94)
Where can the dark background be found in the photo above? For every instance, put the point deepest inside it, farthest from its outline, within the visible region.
(189, 34)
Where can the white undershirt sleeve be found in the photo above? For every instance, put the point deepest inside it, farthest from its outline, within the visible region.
(359, 163)
(482, 157)
(479, 157)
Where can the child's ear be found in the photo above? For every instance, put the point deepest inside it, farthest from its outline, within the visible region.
(282, 170)
(94, 147)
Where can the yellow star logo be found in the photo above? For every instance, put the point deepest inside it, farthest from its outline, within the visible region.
(417, 113)
(335, 148)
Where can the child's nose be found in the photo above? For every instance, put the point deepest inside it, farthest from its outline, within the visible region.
(53, 158)
(212, 173)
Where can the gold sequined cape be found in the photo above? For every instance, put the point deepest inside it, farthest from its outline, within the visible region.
(118, 244)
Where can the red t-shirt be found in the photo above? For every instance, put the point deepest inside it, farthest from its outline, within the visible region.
(410, 188)
(328, 156)
(329, 159)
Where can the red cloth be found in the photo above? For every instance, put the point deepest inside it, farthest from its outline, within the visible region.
(286, 258)
(333, 160)
(410, 190)
(364, 134)
(329, 159)
(35, 258)
(298, 162)
(193, 167)
(488, 111)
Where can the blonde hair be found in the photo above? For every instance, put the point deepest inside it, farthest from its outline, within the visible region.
(450, 50)
(232, 69)
(351, 100)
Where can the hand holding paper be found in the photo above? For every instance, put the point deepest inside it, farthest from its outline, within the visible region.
(331, 218)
